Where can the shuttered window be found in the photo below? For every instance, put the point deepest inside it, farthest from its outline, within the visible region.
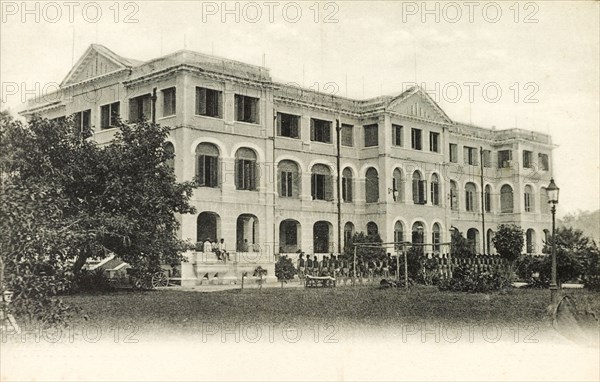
(207, 166)
(288, 125)
(416, 138)
(347, 135)
(397, 133)
(347, 185)
(321, 183)
(169, 102)
(246, 170)
(372, 186)
(288, 179)
(209, 102)
(320, 130)
(109, 115)
(246, 109)
(371, 135)
(140, 108)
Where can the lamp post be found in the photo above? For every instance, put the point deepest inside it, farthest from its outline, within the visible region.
(552, 191)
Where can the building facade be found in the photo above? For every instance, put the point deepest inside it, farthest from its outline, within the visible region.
(283, 169)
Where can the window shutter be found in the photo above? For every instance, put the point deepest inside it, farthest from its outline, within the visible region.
(415, 190)
(200, 170)
(465, 155)
(214, 174)
(218, 100)
(279, 124)
(280, 185)
(239, 108)
(133, 110)
(313, 186)
(239, 174)
(312, 130)
(253, 110)
(296, 184)
(295, 127)
(200, 101)
(86, 119)
(328, 187)
(77, 123)
(254, 176)
(422, 191)
(327, 133)
(290, 184)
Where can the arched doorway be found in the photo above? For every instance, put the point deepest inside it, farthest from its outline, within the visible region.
(247, 233)
(289, 236)
(208, 226)
(321, 234)
(473, 239)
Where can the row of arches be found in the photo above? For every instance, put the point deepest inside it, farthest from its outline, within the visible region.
(289, 183)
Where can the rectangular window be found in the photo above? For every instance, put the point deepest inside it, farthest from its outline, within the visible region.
(527, 202)
(469, 201)
(246, 109)
(527, 159)
(347, 135)
(397, 133)
(543, 163)
(82, 121)
(321, 187)
(487, 158)
(419, 193)
(288, 125)
(416, 139)
(287, 182)
(246, 174)
(209, 102)
(347, 189)
(504, 158)
(453, 153)
(470, 156)
(320, 130)
(208, 171)
(140, 108)
(109, 115)
(371, 135)
(168, 102)
(434, 142)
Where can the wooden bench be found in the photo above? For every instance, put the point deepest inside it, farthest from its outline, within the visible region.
(316, 282)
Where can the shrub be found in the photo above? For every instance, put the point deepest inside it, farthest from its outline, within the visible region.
(285, 270)
(465, 280)
(92, 281)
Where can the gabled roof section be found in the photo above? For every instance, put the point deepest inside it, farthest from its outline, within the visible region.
(97, 61)
(415, 102)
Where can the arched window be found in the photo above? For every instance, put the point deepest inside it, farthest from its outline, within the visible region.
(207, 165)
(348, 233)
(246, 169)
(488, 198)
(321, 183)
(530, 241)
(528, 199)
(470, 197)
(372, 228)
(372, 185)
(398, 234)
(544, 206)
(453, 195)
(418, 188)
(435, 237)
(170, 151)
(347, 181)
(435, 190)
(398, 185)
(473, 239)
(289, 236)
(506, 199)
(289, 179)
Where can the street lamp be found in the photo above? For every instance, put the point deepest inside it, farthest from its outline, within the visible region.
(552, 191)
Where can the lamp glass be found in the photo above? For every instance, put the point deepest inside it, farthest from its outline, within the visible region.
(553, 191)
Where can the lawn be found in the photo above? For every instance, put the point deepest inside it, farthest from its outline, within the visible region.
(173, 312)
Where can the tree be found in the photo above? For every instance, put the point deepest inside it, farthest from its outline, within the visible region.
(365, 253)
(460, 247)
(508, 241)
(65, 200)
(284, 269)
(576, 256)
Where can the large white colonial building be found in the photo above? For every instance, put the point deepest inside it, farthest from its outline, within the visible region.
(290, 169)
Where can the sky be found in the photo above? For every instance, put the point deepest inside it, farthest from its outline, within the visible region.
(531, 65)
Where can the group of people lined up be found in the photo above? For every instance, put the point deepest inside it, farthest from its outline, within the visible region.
(335, 266)
(217, 248)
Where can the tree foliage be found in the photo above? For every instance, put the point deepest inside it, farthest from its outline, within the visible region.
(365, 253)
(66, 199)
(460, 246)
(508, 241)
(284, 269)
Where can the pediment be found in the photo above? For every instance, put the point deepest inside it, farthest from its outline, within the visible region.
(417, 103)
(95, 62)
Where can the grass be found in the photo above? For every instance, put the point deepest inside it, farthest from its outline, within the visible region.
(173, 311)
